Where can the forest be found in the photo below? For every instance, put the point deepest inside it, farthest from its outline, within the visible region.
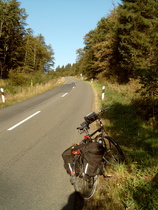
(20, 50)
(124, 45)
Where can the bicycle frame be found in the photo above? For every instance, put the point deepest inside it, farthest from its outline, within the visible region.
(113, 155)
(88, 136)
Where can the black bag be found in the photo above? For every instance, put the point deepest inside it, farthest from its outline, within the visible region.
(92, 158)
(68, 160)
(91, 154)
(68, 156)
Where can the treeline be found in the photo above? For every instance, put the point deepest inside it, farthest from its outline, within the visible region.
(67, 70)
(124, 45)
(20, 51)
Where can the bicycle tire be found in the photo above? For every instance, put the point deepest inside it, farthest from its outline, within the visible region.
(85, 186)
(113, 154)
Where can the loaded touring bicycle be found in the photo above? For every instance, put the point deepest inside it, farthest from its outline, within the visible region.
(85, 161)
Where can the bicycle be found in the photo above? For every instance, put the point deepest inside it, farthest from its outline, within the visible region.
(113, 155)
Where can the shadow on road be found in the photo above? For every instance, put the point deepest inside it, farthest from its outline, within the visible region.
(75, 202)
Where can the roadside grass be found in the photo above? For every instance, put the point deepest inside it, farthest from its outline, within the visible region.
(135, 183)
(15, 94)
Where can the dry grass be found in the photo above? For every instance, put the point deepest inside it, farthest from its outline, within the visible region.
(129, 91)
(25, 93)
(96, 103)
(132, 86)
(2, 83)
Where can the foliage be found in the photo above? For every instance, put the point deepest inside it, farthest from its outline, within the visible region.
(17, 77)
(12, 23)
(18, 47)
(96, 56)
(67, 70)
(138, 41)
(124, 46)
(23, 79)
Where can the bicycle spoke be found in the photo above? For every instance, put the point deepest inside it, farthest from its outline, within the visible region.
(114, 154)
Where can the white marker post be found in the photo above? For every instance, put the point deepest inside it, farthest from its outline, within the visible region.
(103, 89)
(3, 97)
(81, 76)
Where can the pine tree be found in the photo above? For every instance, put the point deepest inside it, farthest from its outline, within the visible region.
(97, 55)
(19, 49)
(104, 47)
(138, 40)
(12, 22)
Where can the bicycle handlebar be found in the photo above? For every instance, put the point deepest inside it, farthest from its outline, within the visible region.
(84, 126)
(103, 110)
(91, 117)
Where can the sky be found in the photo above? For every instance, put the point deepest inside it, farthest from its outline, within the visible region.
(64, 23)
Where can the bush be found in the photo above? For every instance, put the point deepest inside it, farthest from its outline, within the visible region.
(18, 77)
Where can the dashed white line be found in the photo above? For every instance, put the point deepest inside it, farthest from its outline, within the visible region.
(11, 128)
(64, 94)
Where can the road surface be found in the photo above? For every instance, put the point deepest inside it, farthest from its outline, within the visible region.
(33, 135)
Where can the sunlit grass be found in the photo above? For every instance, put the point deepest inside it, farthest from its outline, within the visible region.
(97, 96)
(16, 94)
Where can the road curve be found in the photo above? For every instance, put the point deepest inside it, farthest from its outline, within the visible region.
(33, 135)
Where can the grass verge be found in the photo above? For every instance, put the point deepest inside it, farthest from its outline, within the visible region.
(135, 183)
(15, 94)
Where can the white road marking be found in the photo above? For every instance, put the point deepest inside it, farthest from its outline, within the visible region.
(64, 94)
(23, 121)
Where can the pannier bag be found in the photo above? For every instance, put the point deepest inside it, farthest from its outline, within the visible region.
(68, 156)
(68, 160)
(91, 154)
(92, 158)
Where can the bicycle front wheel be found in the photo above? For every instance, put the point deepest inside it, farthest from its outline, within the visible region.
(113, 154)
(83, 184)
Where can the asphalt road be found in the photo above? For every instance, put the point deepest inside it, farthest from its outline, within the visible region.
(33, 135)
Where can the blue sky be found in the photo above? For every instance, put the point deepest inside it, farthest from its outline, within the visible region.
(64, 23)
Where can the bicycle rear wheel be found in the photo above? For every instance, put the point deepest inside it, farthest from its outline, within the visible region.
(83, 184)
(113, 154)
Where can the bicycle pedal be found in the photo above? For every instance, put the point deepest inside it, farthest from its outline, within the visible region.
(108, 175)
(86, 177)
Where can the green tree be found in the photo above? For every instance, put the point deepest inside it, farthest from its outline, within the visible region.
(86, 57)
(138, 41)
(104, 47)
(38, 55)
(28, 48)
(19, 49)
(68, 67)
(137, 49)
(12, 23)
(49, 59)
(97, 55)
